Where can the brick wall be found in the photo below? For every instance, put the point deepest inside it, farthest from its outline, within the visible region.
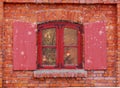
(34, 13)
(118, 35)
(1, 33)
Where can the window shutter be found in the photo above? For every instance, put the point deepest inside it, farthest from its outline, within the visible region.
(95, 46)
(24, 46)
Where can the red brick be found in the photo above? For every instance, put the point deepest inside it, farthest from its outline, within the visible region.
(42, 1)
(76, 1)
(77, 85)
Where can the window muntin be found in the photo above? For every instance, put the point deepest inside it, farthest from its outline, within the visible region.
(59, 45)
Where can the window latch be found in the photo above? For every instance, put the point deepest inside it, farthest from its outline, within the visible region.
(39, 66)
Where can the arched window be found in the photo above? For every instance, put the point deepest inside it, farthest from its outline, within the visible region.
(59, 45)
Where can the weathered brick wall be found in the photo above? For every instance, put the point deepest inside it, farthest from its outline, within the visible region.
(35, 13)
(118, 34)
(1, 49)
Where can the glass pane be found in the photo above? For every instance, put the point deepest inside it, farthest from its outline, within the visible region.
(70, 56)
(70, 36)
(49, 37)
(49, 56)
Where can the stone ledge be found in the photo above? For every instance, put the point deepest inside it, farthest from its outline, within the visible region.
(60, 73)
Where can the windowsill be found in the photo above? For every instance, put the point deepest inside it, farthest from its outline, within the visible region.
(60, 73)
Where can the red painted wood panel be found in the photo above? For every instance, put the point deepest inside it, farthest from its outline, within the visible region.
(24, 46)
(95, 46)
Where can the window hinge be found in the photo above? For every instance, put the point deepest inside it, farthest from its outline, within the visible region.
(39, 28)
(81, 29)
(79, 66)
(39, 66)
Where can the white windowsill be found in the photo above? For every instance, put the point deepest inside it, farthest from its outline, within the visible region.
(60, 73)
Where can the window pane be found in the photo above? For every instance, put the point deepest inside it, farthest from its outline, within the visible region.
(70, 36)
(49, 56)
(70, 56)
(49, 37)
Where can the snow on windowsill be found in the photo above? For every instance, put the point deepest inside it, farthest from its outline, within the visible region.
(60, 73)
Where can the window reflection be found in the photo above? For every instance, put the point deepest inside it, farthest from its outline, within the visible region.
(70, 36)
(70, 56)
(49, 56)
(49, 37)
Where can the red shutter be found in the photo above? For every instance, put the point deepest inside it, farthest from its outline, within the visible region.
(24, 46)
(95, 46)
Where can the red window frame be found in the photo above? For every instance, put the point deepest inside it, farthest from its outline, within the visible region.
(59, 26)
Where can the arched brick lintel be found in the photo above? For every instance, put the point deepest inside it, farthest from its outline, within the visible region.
(59, 14)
